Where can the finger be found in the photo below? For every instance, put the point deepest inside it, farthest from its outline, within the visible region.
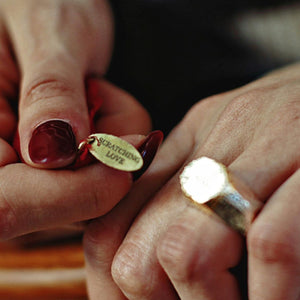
(120, 113)
(104, 236)
(87, 193)
(136, 269)
(55, 46)
(100, 243)
(274, 246)
(195, 267)
(129, 267)
(32, 199)
(262, 166)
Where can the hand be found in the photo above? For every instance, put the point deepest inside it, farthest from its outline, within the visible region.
(174, 250)
(32, 199)
(50, 48)
(57, 44)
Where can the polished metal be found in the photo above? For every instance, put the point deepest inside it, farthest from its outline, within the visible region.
(113, 151)
(209, 185)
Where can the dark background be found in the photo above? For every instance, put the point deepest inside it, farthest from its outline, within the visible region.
(171, 53)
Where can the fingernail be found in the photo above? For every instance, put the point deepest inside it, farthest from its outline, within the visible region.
(148, 150)
(53, 143)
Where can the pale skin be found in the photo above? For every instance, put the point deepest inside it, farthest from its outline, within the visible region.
(171, 250)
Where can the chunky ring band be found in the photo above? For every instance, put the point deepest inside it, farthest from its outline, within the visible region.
(211, 187)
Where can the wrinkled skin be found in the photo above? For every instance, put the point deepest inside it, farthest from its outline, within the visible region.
(173, 250)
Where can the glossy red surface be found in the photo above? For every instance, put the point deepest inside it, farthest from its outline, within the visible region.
(51, 142)
(148, 150)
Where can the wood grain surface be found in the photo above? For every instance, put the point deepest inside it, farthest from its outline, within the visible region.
(46, 265)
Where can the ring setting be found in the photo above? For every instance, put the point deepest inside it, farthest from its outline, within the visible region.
(209, 185)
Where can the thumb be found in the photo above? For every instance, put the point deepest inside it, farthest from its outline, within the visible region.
(53, 118)
(56, 48)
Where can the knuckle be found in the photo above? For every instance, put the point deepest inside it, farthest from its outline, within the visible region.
(172, 252)
(100, 241)
(243, 104)
(47, 88)
(61, 12)
(272, 245)
(130, 272)
(180, 258)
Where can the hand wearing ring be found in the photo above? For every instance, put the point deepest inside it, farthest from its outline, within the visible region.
(165, 247)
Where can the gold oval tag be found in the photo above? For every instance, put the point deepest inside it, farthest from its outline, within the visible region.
(115, 152)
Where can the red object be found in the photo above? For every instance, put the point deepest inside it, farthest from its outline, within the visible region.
(52, 142)
(148, 149)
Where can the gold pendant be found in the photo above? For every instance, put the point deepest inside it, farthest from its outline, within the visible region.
(113, 152)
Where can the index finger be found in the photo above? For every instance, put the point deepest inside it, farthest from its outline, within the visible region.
(274, 246)
(32, 199)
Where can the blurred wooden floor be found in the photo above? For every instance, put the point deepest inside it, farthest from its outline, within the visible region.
(36, 267)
